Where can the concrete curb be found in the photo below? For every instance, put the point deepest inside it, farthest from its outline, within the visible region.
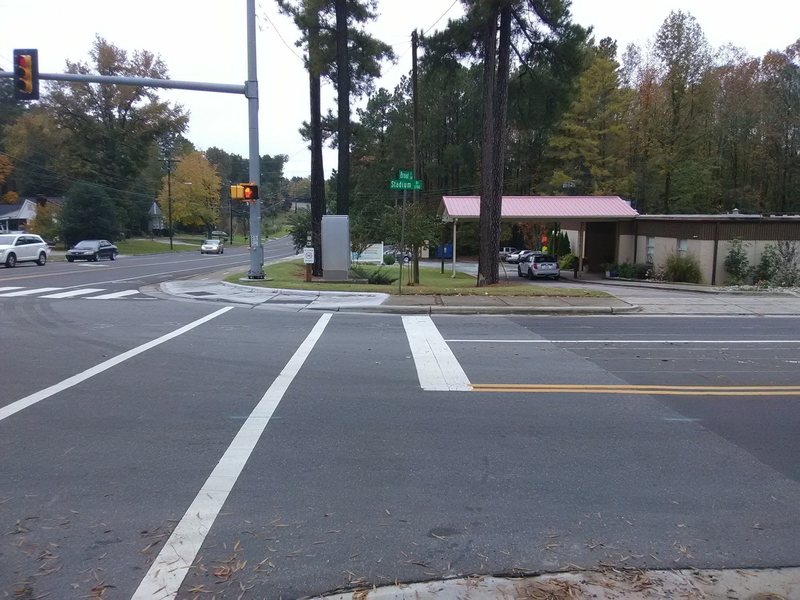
(610, 584)
(481, 310)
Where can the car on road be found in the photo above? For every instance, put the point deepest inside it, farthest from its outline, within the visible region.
(539, 266)
(92, 250)
(506, 251)
(212, 247)
(17, 247)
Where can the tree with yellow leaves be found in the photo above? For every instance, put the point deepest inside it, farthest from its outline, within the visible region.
(195, 192)
(5, 170)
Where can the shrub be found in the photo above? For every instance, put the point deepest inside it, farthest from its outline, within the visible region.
(778, 265)
(736, 263)
(626, 271)
(568, 261)
(682, 269)
(376, 277)
(389, 259)
(642, 270)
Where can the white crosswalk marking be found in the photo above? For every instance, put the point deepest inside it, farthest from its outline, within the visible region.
(30, 292)
(8, 289)
(437, 367)
(114, 295)
(73, 293)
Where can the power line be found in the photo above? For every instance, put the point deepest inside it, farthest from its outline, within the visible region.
(449, 8)
(277, 31)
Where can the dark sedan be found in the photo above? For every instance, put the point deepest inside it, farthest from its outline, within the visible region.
(92, 250)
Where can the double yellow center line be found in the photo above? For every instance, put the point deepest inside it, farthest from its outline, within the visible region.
(649, 390)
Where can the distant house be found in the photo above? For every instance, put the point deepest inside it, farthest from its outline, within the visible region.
(15, 217)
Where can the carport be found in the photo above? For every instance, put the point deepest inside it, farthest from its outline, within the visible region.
(572, 212)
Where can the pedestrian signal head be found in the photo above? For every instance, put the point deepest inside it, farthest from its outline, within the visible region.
(249, 192)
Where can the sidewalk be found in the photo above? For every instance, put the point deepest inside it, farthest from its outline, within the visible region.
(624, 297)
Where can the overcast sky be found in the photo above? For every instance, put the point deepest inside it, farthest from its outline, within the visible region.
(205, 40)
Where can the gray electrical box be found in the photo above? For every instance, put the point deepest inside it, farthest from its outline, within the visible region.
(335, 247)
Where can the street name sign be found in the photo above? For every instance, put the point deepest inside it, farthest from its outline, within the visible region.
(405, 184)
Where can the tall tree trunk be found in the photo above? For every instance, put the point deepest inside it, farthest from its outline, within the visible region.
(487, 164)
(343, 85)
(317, 171)
(495, 108)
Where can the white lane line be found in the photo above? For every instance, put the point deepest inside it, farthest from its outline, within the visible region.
(30, 292)
(114, 295)
(8, 289)
(485, 341)
(166, 574)
(73, 293)
(18, 405)
(437, 367)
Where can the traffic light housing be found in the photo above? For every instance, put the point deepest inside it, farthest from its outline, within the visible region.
(237, 193)
(26, 74)
(249, 192)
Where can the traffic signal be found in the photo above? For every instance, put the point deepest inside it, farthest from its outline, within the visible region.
(237, 193)
(26, 74)
(249, 192)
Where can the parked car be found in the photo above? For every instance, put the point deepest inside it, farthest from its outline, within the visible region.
(389, 249)
(19, 247)
(505, 252)
(516, 257)
(92, 250)
(212, 247)
(539, 266)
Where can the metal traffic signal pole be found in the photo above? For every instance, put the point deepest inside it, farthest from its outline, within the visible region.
(251, 93)
(249, 89)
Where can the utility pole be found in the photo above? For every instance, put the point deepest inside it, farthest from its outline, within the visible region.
(414, 140)
(169, 162)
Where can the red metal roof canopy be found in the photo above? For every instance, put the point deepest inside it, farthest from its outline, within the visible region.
(551, 208)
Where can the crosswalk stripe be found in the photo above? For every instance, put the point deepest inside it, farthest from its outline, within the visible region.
(113, 295)
(73, 293)
(8, 289)
(437, 367)
(30, 292)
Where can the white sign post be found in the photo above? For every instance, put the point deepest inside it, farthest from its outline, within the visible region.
(308, 260)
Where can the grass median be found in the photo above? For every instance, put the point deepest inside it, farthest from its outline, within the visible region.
(291, 275)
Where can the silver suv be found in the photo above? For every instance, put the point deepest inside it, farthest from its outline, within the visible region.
(22, 247)
(538, 266)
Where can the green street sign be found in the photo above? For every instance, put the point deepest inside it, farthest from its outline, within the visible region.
(406, 175)
(405, 184)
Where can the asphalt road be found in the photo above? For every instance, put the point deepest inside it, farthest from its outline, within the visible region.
(125, 276)
(172, 448)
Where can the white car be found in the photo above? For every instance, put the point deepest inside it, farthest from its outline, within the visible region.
(212, 247)
(19, 247)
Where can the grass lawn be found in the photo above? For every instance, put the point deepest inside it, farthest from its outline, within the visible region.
(145, 246)
(291, 275)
